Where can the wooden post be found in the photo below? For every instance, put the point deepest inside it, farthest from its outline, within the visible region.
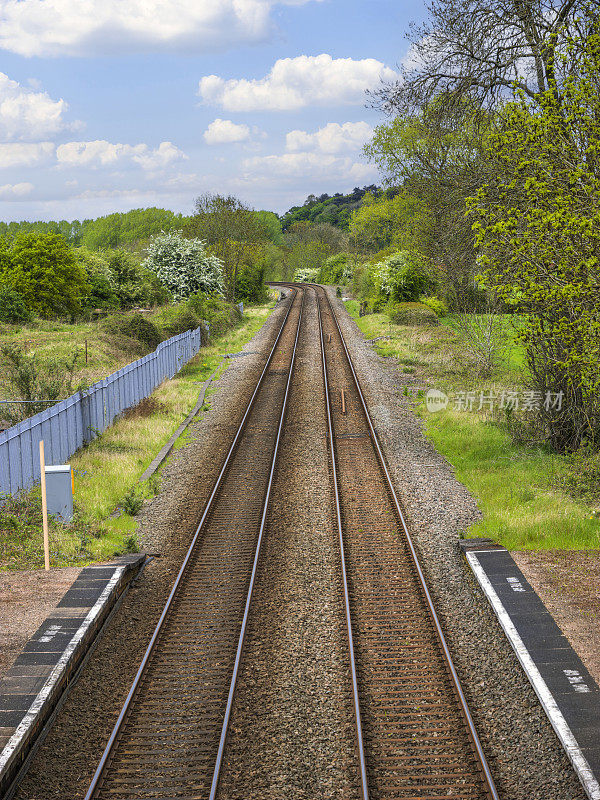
(44, 506)
(343, 402)
(86, 355)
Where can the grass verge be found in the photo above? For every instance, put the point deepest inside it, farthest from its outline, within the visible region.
(515, 486)
(107, 471)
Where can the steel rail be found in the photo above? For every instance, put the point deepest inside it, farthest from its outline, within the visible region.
(207, 508)
(263, 521)
(484, 767)
(364, 784)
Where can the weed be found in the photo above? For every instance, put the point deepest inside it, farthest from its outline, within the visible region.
(132, 502)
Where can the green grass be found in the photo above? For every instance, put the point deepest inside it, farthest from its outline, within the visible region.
(109, 468)
(515, 487)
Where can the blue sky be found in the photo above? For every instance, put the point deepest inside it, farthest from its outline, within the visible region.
(107, 105)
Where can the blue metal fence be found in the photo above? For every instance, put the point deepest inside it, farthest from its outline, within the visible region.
(71, 423)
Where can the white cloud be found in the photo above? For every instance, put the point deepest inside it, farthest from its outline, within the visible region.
(224, 131)
(94, 27)
(21, 154)
(27, 114)
(333, 138)
(15, 190)
(294, 83)
(304, 165)
(103, 153)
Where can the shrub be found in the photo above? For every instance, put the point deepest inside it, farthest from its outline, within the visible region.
(250, 284)
(411, 314)
(176, 319)
(137, 327)
(439, 308)
(13, 308)
(582, 478)
(183, 265)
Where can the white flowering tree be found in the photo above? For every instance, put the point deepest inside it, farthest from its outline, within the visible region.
(183, 265)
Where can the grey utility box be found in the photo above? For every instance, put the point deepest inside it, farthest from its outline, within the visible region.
(59, 492)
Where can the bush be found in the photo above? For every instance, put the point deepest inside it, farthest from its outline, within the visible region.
(219, 314)
(137, 327)
(439, 308)
(183, 265)
(406, 276)
(177, 319)
(13, 308)
(582, 479)
(411, 314)
(250, 284)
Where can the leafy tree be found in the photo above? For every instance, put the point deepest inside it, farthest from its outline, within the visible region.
(43, 269)
(438, 158)
(12, 307)
(308, 245)
(403, 222)
(538, 232)
(335, 211)
(227, 226)
(271, 225)
(102, 292)
(130, 229)
(183, 265)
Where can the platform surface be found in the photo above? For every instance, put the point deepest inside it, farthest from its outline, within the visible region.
(568, 693)
(33, 685)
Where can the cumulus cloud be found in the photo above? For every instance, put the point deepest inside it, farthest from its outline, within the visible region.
(102, 153)
(224, 131)
(27, 114)
(13, 191)
(96, 27)
(295, 83)
(21, 154)
(307, 165)
(333, 138)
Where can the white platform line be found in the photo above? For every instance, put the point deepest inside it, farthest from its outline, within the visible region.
(559, 723)
(28, 720)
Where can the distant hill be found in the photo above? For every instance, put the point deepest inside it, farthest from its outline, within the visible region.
(335, 209)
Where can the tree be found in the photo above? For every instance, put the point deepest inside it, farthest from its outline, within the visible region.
(308, 245)
(42, 268)
(227, 226)
(538, 233)
(183, 265)
(437, 156)
(484, 50)
(402, 222)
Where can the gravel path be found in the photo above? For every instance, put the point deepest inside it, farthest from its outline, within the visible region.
(67, 759)
(525, 756)
(292, 730)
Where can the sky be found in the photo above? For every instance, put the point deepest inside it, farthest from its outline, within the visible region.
(108, 105)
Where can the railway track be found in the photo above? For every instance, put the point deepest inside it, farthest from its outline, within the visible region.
(414, 733)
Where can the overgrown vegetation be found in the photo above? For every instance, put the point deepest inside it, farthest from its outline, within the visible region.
(530, 496)
(107, 471)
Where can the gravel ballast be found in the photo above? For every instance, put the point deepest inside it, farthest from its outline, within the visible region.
(66, 761)
(292, 730)
(525, 756)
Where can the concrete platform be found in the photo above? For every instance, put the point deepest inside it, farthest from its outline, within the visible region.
(568, 693)
(36, 681)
